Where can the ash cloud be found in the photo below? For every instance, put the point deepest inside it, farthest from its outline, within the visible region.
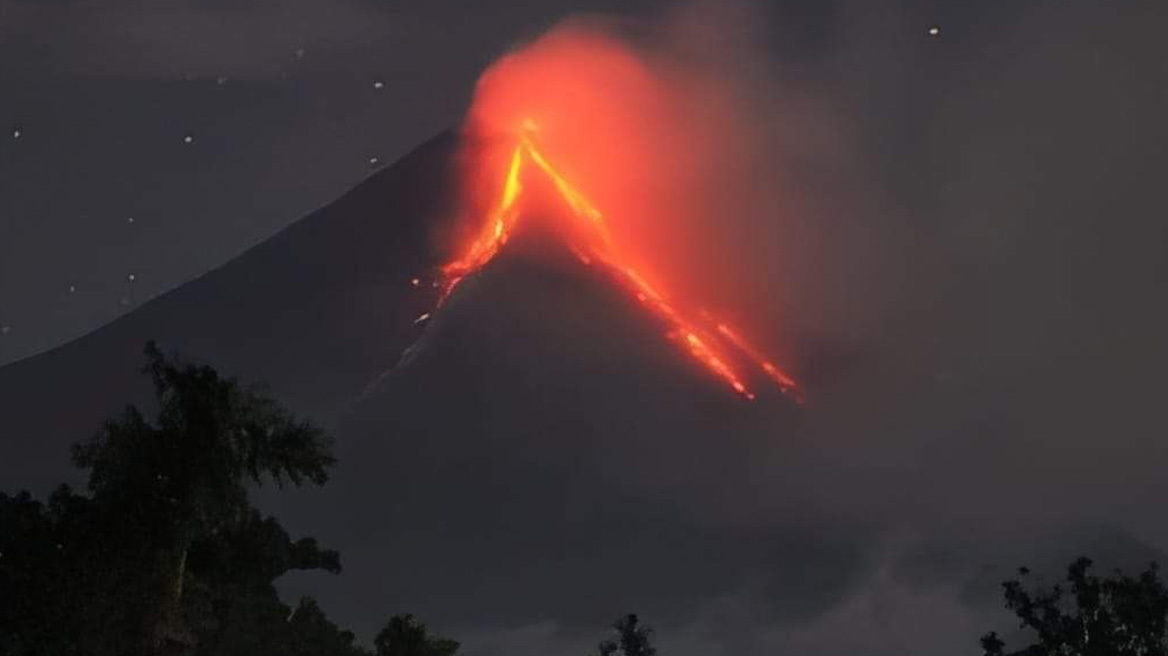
(739, 185)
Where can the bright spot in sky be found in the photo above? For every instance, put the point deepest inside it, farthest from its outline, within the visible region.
(934, 31)
(129, 219)
(72, 288)
(131, 277)
(378, 85)
(16, 133)
(374, 160)
(4, 330)
(188, 139)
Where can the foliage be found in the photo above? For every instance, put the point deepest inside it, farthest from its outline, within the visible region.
(632, 639)
(70, 581)
(232, 605)
(1116, 616)
(44, 568)
(183, 476)
(166, 554)
(188, 470)
(404, 635)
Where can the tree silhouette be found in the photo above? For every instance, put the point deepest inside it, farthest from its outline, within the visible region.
(632, 639)
(405, 635)
(41, 548)
(166, 554)
(231, 604)
(184, 475)
(71, 581)
(313, 634)
(1116, 616)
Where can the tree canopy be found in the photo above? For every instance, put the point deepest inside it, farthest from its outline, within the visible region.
(631, 638)
(166, 553)
(183, 475)
(405, 635)
(1118, 615)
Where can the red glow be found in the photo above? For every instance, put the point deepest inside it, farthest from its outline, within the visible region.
(601, 128)
(706, 344)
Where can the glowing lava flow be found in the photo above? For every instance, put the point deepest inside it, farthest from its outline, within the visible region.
(708, 344)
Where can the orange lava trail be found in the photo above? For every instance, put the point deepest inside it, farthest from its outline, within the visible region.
(707, 345)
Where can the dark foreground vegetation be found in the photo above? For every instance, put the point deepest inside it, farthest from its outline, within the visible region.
(165, 555)
(1118, 615)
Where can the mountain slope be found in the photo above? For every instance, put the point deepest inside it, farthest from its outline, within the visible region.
(315, 312)
(540, 444)
(541, 441)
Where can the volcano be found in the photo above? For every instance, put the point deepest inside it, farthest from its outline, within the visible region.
(590, 238)
(536, 410)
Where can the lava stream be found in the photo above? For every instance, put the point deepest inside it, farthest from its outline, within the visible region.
(707, 342)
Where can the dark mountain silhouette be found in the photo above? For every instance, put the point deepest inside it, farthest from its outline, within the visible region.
(545, 438)
(540, 443)
(315, 312)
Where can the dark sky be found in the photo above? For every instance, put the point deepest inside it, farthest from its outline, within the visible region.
(282, 103)
(981, 252)
(280, 100)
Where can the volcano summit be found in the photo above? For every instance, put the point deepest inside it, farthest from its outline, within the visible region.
(710, 341)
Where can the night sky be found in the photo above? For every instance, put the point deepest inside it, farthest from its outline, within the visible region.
(972, 263)
(287, 105)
